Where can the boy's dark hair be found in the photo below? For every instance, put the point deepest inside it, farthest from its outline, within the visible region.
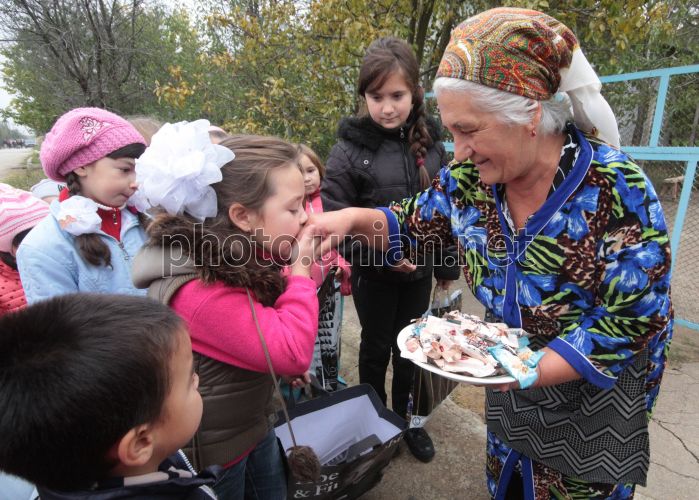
(77, 372)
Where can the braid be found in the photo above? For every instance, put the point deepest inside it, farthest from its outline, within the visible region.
(420, 139)
(92, 249)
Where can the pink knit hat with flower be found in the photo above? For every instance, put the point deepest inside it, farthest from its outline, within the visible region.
(83, 136)
(19, 210)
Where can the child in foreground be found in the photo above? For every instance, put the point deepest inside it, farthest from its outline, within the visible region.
(98, 394)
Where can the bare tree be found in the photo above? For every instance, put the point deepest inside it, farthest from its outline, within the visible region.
(92, 42)
(60, 54)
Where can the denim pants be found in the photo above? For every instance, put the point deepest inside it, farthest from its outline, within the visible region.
(259, 476)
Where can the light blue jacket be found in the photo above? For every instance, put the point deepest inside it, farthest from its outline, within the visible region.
(50, 263)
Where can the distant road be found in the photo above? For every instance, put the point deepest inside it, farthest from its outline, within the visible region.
(12, 158)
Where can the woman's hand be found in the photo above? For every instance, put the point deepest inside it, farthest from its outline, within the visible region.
(332, 226)
(552, 369)
(512, 386)
(367, 223)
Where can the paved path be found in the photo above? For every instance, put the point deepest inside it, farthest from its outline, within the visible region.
(458, 470)
(12, 158)
(674, 437)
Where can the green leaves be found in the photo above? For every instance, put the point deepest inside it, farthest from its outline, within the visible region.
(282, 67)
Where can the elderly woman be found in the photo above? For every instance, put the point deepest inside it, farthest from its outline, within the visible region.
(561, 234)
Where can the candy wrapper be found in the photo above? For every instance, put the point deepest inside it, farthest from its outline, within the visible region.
(523, 371)
(463, 343)
(469, 365)
(528, 357)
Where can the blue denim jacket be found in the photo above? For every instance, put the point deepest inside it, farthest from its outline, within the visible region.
(50, 263)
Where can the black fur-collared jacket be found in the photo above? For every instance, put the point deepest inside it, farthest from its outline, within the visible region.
(369, 167)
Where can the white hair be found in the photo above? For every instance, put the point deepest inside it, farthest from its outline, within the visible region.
(512, 108)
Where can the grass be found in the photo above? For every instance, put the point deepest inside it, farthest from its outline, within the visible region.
(24, 178)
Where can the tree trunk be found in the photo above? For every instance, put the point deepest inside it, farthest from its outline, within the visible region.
(695, 125)
(422, 25)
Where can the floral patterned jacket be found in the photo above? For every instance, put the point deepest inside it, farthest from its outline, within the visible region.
(589, 275)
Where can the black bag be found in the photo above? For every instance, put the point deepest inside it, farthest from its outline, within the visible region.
(354, 435)
(429, 389)
(326, 352)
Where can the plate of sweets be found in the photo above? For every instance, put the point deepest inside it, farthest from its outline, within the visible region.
(464, 348)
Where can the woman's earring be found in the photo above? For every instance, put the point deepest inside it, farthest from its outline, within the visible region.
(534, 133)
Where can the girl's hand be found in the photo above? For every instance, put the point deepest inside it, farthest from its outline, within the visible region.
(344, 276)
(444, 284)
(305, 250)
(297, 381)
(403, 266)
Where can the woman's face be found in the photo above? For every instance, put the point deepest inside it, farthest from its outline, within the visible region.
(501, 152)
(390, 104)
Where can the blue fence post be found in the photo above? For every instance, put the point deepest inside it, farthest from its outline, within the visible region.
(659, 110)
(687, 184)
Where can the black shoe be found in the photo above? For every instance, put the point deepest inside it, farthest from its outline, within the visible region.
(420, 444)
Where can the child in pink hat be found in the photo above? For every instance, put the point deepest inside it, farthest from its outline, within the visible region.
(19, 213)
(87, 243)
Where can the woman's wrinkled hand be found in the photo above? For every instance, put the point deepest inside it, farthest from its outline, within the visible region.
(332, 227)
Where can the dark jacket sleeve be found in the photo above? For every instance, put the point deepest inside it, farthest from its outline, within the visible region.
(339, 188)
(446, 264)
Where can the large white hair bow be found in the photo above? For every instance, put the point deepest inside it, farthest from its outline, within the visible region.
(176, 171)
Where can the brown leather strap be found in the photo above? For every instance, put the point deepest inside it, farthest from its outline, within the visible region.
(277, 390)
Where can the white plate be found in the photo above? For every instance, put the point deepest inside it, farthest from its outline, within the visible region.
(466, 379)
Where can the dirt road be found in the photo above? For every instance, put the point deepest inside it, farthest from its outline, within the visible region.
(12, 158)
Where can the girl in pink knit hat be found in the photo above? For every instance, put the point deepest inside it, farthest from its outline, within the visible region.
(87, 243)
(19, 213)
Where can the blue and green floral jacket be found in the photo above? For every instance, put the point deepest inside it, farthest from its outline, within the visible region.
(588, 276)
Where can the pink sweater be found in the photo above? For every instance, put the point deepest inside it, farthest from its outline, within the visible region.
(11, 291)
(221, 325)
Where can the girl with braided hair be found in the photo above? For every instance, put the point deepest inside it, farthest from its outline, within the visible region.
(88, 242)
(390, 151)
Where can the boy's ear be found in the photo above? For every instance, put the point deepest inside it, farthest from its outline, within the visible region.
(242, 217)
(136, 447)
